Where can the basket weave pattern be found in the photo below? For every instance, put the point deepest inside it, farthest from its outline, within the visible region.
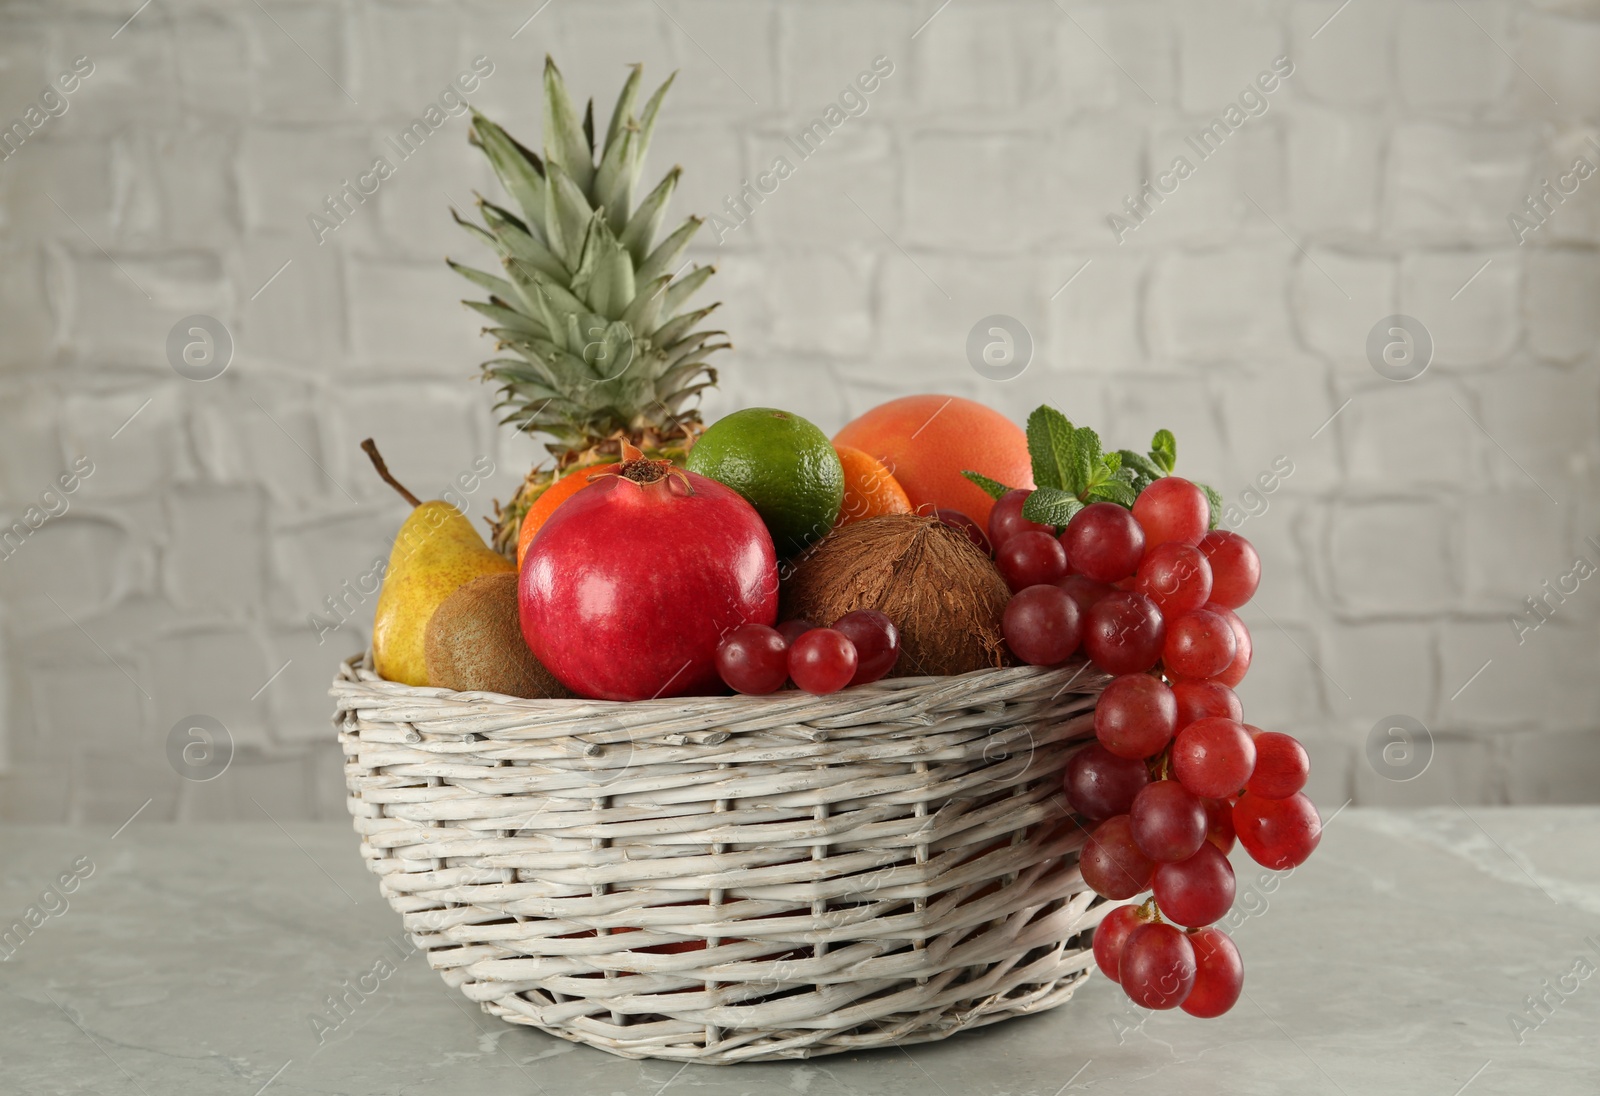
(734, 879)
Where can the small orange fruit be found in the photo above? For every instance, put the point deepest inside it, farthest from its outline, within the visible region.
(573, 481)
(869, 487)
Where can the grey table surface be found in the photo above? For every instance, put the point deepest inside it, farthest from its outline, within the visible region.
(1406, 957)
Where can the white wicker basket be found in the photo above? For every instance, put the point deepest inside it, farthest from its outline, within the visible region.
(735, 878)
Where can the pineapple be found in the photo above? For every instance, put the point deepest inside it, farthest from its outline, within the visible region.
(605, 352)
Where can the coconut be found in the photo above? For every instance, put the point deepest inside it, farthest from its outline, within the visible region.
(940, 589)
(474, 643)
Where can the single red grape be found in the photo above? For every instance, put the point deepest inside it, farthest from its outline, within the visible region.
(1277, 833)
(1157, 968)
(1122, 633)
(795, 627)
(1198, 645)
(1196, 891)
(1213, 757)
(876, 640)
(1172, 509)
(1168, 822)
(1198, 699)
(1030, 559)
(1103, 542)
(1006, 520)
(1219, 824)
(1135, 716)
(1100, 784)
(1112, 865)
(822, 661)
(1241, 657)
(1219, 974)
(1042, 625)
(753, 659)
(957, 520)
(1085, 591)
(1109, 936)
(1235, 567)
(1282, 765)
(1175, 576)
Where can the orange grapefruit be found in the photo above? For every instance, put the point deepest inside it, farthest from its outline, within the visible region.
(869, 488)
(558, 492)
(928, 441)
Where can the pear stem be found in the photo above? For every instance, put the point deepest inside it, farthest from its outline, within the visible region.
(371, 450)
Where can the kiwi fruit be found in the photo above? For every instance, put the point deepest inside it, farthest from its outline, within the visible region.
(473, 643)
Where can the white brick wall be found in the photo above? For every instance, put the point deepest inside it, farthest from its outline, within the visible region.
(221, 514)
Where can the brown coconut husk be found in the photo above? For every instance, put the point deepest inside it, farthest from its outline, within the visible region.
(939, 588)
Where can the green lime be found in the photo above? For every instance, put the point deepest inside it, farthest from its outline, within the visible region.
(783, 466)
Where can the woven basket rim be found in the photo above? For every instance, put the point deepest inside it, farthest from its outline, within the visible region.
(358, 669)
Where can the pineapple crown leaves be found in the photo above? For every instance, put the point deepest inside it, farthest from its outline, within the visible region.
(1072, 470)
(588, 302)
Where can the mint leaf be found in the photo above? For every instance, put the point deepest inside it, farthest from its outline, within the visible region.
(1107, 468)
(1139, 463)
(1137, 470)
(1216, 504)
(1089, 443)
(993, 488)
(1051, 506)
(1050, 446)
(1113, 490)
(1164, 451)
(1133, 479)
(1085, 452)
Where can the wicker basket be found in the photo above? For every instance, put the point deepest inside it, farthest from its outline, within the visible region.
(734, 879)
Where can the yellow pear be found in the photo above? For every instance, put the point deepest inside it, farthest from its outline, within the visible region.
(436, 552)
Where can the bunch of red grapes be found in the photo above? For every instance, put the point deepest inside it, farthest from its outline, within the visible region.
(1174, 776)
(860, 647)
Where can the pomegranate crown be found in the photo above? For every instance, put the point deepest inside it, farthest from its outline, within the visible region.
(636, 468)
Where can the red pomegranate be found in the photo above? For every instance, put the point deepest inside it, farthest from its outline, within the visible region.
(631, 583)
